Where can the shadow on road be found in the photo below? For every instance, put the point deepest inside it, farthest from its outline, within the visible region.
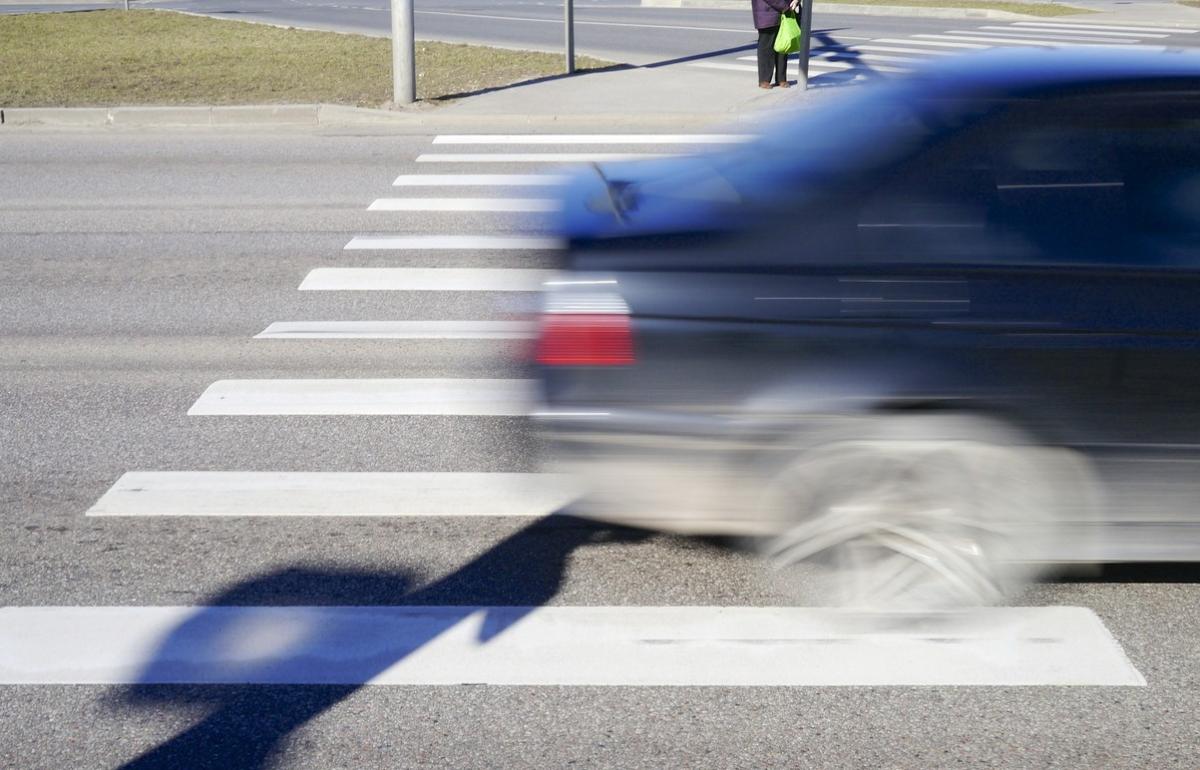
(247, 721)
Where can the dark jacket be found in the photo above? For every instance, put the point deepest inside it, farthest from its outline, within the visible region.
(766, 12)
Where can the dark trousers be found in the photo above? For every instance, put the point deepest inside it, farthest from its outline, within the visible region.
(772, 67)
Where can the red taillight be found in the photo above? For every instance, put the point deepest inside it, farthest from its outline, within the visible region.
(585, 339)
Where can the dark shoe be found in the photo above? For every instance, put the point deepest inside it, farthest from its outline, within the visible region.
(765, 84)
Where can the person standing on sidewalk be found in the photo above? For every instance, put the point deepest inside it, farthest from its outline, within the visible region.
(772, 67)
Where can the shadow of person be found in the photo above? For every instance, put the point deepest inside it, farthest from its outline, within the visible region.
(331, 631)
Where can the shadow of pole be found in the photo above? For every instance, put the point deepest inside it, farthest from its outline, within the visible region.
(248, 721)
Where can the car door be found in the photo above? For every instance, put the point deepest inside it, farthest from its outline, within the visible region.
(1072, 223)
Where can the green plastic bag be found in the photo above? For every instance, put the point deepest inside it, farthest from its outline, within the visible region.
(787, 40)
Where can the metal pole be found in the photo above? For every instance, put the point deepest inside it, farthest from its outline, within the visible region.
(404, 68)
(127, 5)
(569, 23)
(805, 39)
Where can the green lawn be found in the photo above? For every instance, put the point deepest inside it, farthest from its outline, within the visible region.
(108, 58)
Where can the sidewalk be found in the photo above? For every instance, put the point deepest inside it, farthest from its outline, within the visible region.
(682, 93)
(668, 94)
(673, 93)
(1118, 11)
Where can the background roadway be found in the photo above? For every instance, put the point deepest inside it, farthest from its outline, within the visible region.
(137, 268)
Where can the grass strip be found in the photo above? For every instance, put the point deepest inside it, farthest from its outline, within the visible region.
(112, 57)
(1029, 9)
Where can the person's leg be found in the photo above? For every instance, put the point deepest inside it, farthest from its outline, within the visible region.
(766, 53)
(780, 64)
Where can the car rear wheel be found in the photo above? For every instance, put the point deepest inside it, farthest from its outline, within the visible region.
(920, 512)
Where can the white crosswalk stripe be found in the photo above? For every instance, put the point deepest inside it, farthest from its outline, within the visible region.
(463, 398)
(793, 67)
(552, 646)
(1103, 27)
(571, 139)
(222, 493)
(438, 645)
(452, 242)
(1059, 32)
(912, 41)
(479, 180)
(424, 279)
(397, 330)
(1000, 40)
(465, 204)
(831, 56)
(1037, 38)
(854, 62)
(534, 157)
(898, 49)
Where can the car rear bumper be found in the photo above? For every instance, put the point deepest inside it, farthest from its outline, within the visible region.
(676, 473)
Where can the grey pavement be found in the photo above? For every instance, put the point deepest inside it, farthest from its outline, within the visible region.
(137, 272)
(683, 66)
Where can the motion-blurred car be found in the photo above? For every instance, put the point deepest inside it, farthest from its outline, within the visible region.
(934, 330)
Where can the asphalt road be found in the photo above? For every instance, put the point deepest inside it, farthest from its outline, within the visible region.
(137, 270)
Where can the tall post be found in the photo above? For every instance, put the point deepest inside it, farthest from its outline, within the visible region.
(569, 23)
(127, 5)
(805, 39)
(404, 68)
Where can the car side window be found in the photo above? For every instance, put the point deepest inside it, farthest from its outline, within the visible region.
(1156, 142)
(1101, 178)
(1060, 191)
(937, 206)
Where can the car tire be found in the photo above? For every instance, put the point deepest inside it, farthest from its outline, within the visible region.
(920, 512)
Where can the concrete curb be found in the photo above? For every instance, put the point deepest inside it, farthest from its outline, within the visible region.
(320, 116)
(133, 117)
(864, 10)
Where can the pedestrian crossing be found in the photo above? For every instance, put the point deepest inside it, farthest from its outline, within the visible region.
(397, 330)
(424, 279)
(477, 398)
(439, 645)
(550, 646)
(832, 61)
(327, 493)
(452, 243)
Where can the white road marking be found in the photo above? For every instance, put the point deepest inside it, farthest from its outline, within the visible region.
(855, 56)
(1044, 36)
(928, 42)
(397, 330)
(897, 49)
(554, 646)
(424, 279)
(476, 398)
(713, 65)
(869, 57)
(865, 67)
(592, 139)
(997, 39)
(478, 180)
(233, 493)
(535, 157)
(452, 242)
(1102, 27)
(559, 22)
(1060, 32)
(793, 67)
(466, 204)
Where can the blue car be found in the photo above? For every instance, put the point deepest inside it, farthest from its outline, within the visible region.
(929, 336)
